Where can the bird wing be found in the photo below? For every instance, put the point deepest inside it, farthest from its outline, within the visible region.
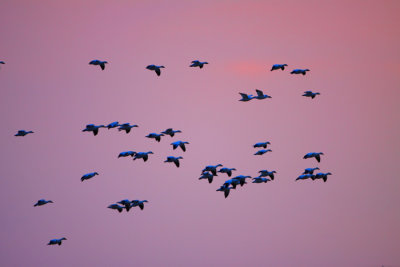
(95, 131)
(145, 157)
(259, 93)
(318, 158)
(102, 66)
(176, 163)
(226, 193)
(141, 206)
(182, 145)
(158, 71)
(244, 96)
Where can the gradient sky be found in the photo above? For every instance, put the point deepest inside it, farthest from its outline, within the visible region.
(352, 49)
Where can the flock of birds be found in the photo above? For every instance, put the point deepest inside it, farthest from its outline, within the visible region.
(210, 171)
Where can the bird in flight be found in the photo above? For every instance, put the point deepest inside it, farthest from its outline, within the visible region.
(22, 133)
(310, 94)
(316, 155)
(299, 71)
(196, 63)
(278, 66)
(155, 68)
(42, 202)
(100, 63)
(56, 241)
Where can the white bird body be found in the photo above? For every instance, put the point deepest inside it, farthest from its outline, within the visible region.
(323, 176)
(259, 180)
(140, 203)
(207, 175)
(100, 63)
(305, 176)
(212, 169)
(310, 94)
(113, 125)
(310, 170)
(262, 144)
(116, 207)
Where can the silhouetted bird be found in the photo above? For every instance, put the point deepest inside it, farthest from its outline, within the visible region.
(264, 173)
(259, 180)
(278, 66)
(228, 171)
(126, 127)
(100, 63)
(56, 241)
(174, 160)
(93, 128)
(170, 132)
(310, 170)
(315, 155)
(246, 97)
(207, 175)
(156, 68)
(212, 169)
(299, 71)
(155, 136)
(88, 176)
(310, 94)
(142, 155)
(181, 144)
(139, 203)
(262, 151)
(127, 154)
(42, 202)
(113, 125)
(260, 95)
(22, 133)
(262, 144)
(305, 176)
(126, 203)
(241, 179)
(197, 63)
(225, 189)
(323, 176)
(116, 207)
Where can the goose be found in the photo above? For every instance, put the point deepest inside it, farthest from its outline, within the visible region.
(88, 176)
(299, 71)
(116, 207)
(262, 151)
(246, 97)
(212, 169)
(278, 66)
(126, 154)
(93, 128)
(323, 176)
(260, 95)
(259, 180)
(100, 63)
(56, 241)
(310, 94)
(22, 133)
(225, 189)
(231, 182)
(264, 173)
(126, 203)
(305, 176)
(241, 179)
(170, 132)
(262, 144)
(155, 136)
(181, 144)
(315, 155)
(310, 170)
(155, 68)
(174, 160)
(142, 155)
(228, 171)
(139, 203)
(196, 63)
(113, 125)
(207, 175)
(126, 127)
(42, 202)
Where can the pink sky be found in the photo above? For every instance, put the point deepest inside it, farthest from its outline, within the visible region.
(352, 50)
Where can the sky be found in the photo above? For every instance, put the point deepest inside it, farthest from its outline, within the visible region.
(47, 86)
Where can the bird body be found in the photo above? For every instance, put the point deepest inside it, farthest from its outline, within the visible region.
(241, 179)
(316, 155)
(142, 155)
(127, 154)
(93, 128)
(310, 170)
(310, 94)
(22, 133)
(207, 175)
(116, 207)
(140, 203)
(305, 176)
(113, 125)
(126, 127)
(261, 95)
(88, 176)
(171, 132)
(181, 144)
(56, 241)
(323, 176)
(246, 97)
(265, 173)
(100, 63)
(197, 63)
(174, 160)
(262, 151)
(278, 66)
(225, 189)
(155, 136)
(212, 169)
(228, 171)
(155, 68)
(262, 144)
(259, 180)
(126, 203)
(299, 71)
(42, 202)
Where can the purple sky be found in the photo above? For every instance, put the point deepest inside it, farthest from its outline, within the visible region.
(352, 50)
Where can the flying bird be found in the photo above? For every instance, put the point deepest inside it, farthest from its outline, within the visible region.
(241, 179)
(310, 94)
(299, 71)
(262, 144)
(100, 63)
(315, 155)
(323, 176)
(305, 176)
(127, 154)
(56, 241)
(42, 202)
(278, 66)
(197, 63)
(126, 203)
(139, 203)
(22, 133)
(262, 151)
(181, 144)
(259, 180)
(228, 171)
(246, 97)
(142, 155)
(156, 68)
(171, 132)
(155, 136)
(231, 182)
(207, 175)
(225, 189)
(212, 169)
(93, 128)
(310, 170)
(265, 173)
(174, 160)
(116, 207)
(126, 127)
(88, 176)
(113, 125)
(260, 95)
